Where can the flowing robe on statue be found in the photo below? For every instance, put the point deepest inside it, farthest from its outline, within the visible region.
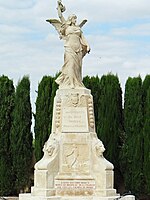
(75, 49)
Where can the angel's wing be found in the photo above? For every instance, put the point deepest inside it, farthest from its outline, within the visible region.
(56, 23)
(82, 23)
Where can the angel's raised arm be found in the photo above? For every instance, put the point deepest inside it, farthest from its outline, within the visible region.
(61, 8)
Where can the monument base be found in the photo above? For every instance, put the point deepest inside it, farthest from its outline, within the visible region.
(30, 197)
(73, 166)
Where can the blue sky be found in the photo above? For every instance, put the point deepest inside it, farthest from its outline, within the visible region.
(118, 32)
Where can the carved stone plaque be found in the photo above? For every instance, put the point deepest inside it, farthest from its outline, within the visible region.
(74, 187)
(76, 158)
(77, 184)
(74, 119)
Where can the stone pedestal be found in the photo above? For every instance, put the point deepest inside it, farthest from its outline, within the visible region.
(73, 166)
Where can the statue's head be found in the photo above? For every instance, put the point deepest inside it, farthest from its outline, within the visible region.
(71, 19)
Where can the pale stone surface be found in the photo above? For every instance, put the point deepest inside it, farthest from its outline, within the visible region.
(73, 164)
(29, 197)
(74, 119)
(128, 197)
(76, 48)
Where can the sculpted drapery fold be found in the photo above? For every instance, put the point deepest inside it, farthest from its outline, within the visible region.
(75, 46)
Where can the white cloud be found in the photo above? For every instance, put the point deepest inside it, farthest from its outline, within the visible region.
(136, 30)
(17, 4)
(29, 45)
(110, 10)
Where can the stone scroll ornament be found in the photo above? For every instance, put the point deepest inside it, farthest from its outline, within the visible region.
(75, 45)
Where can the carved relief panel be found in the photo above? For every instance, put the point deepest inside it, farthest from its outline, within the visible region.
(75, 158)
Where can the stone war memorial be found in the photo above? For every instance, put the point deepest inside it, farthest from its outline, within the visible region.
(73, 166)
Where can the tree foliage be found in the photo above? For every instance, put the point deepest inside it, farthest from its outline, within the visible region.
(43, 117)
(146, 132)
(21, 136)
(107, 96)
(93, 83)
(110, 116)
(6, 108)
(125, 135)
(132, 154)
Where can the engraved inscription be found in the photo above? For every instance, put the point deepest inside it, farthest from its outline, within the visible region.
(74, 184)
(74, 119)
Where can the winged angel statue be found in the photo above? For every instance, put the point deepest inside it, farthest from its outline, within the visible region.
(75, 46)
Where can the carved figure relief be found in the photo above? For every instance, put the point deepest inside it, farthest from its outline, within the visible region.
(74, 99)
(72, 157)
(75, 158)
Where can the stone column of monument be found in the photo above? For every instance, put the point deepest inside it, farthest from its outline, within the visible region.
(73, 165)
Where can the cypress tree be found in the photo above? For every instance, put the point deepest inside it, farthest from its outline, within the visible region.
(21, 136)
(132, 153)
(87, 82)
(110, 121)
(43, 114)
(6, 108)
(54, 89)
(146, 132)
(110, 116)
(93, 83)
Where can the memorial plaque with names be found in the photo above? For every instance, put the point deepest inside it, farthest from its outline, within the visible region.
(78, 184)
(74, 119)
